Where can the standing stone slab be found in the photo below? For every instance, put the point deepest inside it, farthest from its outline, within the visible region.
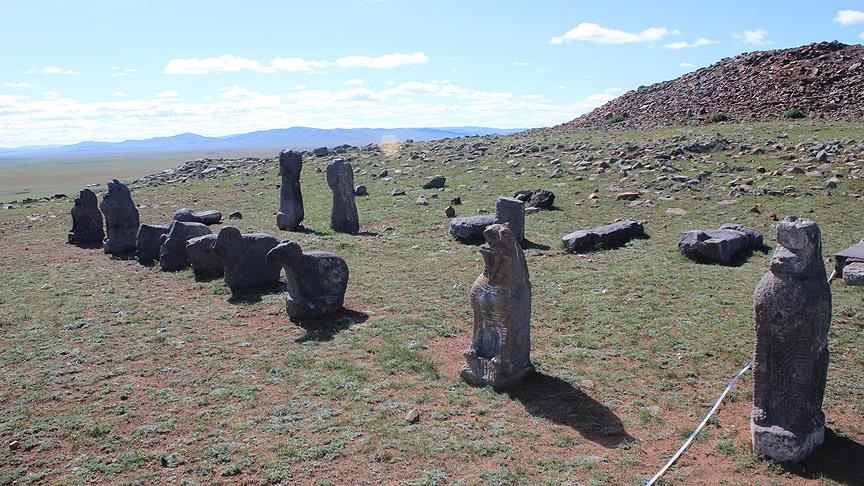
(121, 219)
(609, 236)
(149, 242)
(208, 217)
(86, 220)
(244, 258)
(501, 298)
(205, 263)
(790, 364)
(343, 216)
(290, 213)
(512, 211)
(173, 256)
(316, 281)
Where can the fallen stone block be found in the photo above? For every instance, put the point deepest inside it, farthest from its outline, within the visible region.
(603, 237)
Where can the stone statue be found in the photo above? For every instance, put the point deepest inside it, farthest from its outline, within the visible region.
(790, 363)
(244, 258)
(173, 256)
(121, 219)
(86, 220)
(343, 216)
(501, 297)
(315, 280)
(149, 242)
(205, 263)
(290, 213)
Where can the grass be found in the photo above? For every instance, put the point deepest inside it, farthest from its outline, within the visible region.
(109, 367)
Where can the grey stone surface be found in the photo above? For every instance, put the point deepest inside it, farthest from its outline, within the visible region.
(501, 299)
(316, 281)
(853, 273)
(603, 237)
(148, 242)
(343, 216)
(361, 190)
(86, 220)
(536, 198)
(205, 263)
(469, 229)
(173, 256)
(244, 258)
(511, 210)
(723, 245)
(853, 253)
(435, 182)
(121, 219)
(790, 365)
(290, 213)
(208, 217)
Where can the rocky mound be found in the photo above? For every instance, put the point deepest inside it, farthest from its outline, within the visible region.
(824, 80)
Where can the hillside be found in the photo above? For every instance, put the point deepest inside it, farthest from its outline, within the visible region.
(824, 80)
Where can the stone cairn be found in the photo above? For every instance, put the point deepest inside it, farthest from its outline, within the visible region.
(343, 216)
(790, 364)
(290, 213)
(173, 256)
(316, 281)
(86, 220)
(121, 219)
(501, 298)
(244, 258)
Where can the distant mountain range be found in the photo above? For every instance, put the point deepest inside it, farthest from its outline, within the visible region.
(300, 138)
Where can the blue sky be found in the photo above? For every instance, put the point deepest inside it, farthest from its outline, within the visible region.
(119, 69)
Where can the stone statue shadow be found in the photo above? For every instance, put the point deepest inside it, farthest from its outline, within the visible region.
(739, 259)
(839, 459)
(308, 231)
(325, 328)
(530, 245)
(123, 256)
(88, 246)
(368, 233)
(554, 399)
(252, 295)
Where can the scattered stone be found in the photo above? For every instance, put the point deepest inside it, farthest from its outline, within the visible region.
(501, 299)
(723, 245)
(172, 460)
(205, 262)
(413, 416)
(235, 215)
(436, 182)
(536, 198)
(86, 220)
(793, 315)
(469, 229)
(603, 237)
(450, 212)
(852, 254)
(14, 445)
(361, 190)
(627, 196)
(676, 211)
(853, 274)
(343, 216)
(209, 217)
(121, 219)
(173, 256)
(321, 152)
(512, 211)
(244, 258)
(456, 201)
(316, 281)
(397, 192)
(290, 213)
(422, 201)
(148, 243)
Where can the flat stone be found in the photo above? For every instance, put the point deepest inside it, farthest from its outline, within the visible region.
(603, 237)
(853, 253)
(676, 211)
(469, 229)
(435, 182)
(853, 273)
(536, 198)
(723, 245)
(627, 196)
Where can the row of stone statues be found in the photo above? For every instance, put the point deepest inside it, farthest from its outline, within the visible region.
(340, 178)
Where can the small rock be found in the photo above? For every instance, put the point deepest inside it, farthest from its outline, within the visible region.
(627, 196)
(235, 215)
(361, 190)
(760, 169)
(422, 201)
(456, 201)
(413, 416)
(398, 192)
(450, 212)
(676, 211)
(14, 445)
(436, 182)
(172, 460)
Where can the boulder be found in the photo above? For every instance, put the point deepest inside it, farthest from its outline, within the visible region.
(853, 273)
(603, 237)
(435, 182)
(361, 190)
(536, 198)
(723, 245)
(315, 281)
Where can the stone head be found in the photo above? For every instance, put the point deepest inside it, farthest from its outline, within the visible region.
(85, 198)
(229, 241)
(117, 189)
(286, 254)
(799, 248)
(290, 162)
(499, 248)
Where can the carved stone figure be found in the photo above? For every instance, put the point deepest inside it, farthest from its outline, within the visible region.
(148, 242)
(790, 364)
(290, 213)
(86, 220)
(172, 254)
(121, 219)
(501, 298)
(244, 258)
(340, 178)
(205, 263)
(315, 280)
(208, 217)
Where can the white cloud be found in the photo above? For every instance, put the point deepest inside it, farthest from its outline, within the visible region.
(53, 70)
(353, 82)
(229, 63)
(50, 95)
(590, 32)
(849, 17)
(755, 37)
(522, 63)
(119, 72)
(17, 85)
(167, 94)
(299, 87)
(702, 41)
(685, 65)
(118, 94)
(861, 35)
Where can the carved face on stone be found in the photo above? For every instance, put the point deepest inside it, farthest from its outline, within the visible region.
(500, 243)
(229, 241)
(285, 254)
(799, 245)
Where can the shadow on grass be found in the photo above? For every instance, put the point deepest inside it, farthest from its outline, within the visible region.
(839, 459)
(530, 245)
(252, 295)
(368, 233)
(123, 256)
(305, 230)
(554, 399)
(206, 277)
(326, 327)
(88, 246)
(740, 259)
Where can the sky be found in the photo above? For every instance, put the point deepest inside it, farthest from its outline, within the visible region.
(112, 70)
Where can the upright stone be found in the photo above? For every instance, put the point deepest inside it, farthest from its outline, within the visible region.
(205, 263)
(86, 220)
(173, 256)
(121, 219)
(790, 364)
(316, 281)
(511, 210)
(343, 216)
(501, 298)
(290, 213)
(244, 258)
(149, 242)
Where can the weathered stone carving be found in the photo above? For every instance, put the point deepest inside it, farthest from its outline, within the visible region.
(148, 243)
(340, 178)
(790, 364)
(512, 211)
(609, 236)
(501, 298)
(208, 217)
(86, 220)
(315, 280)
(290, 213)
(244, 258)
(121, 219)
(205, 263)
(723, 245)
(172, 254)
